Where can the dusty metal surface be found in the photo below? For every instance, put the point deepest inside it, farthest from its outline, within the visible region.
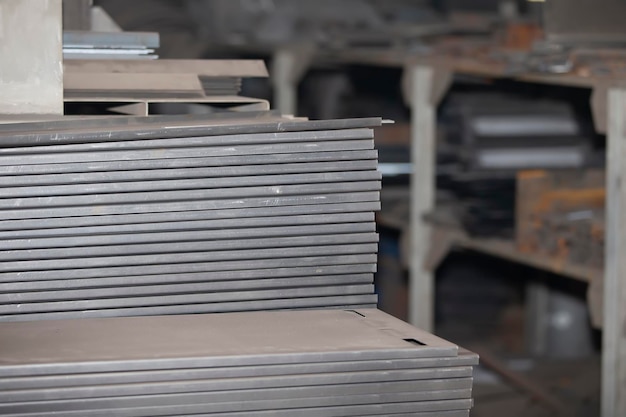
(333, 410)
(177, 129)
(134, 406)
(226, 277)
(245, 339)
(183, 222)
(126, 300)
(316, 204)
(310, 303)
(195, 141)
(308, 260)
(22, 180)
(197, 372)
(224, 163)
(229, 384)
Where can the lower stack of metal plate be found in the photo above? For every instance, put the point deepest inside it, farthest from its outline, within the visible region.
(160, 216)
(297, 363)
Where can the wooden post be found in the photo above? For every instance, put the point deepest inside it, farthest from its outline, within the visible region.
(423, 88)
(285, 87)
(614, 333)
(288, 66)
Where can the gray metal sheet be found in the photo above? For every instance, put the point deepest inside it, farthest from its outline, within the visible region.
(321, 412)
(330, 204)
(242, 151)
(234, 184)
(90, 122)
(202, 266)
(342, 273)
(13, 171)
(174, 287)
(182, 245)
(177, 128)
(455, 413)
(187, 200)
(181, 206)
(184, 235)
(195, 373)
(229, 384)
(111, 39)
(127, 301)
(182, 224)
(256, 400)
(461, 388)
(124, 344)
(30, 260)
(196, 189)
(186, 173)
(285, 405)
(343, 302)
(194, 141)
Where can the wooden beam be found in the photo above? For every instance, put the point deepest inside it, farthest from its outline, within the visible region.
(424, 87)
(614, 333)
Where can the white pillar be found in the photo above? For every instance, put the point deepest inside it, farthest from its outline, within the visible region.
(31, 64)
(614, 329)
(423, 120)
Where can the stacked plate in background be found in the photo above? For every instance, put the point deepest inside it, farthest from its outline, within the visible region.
(298, 363)
(109, 45)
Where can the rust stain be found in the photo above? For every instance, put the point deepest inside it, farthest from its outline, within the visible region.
(531, 174)
(571, 198)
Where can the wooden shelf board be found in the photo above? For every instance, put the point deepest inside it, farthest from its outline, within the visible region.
(506, 249)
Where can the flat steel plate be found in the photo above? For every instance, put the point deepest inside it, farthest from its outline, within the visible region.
(12, 172)
(229, 384)
(333, 410)
(329, 204)
(303, 195)
(200, 193)
(10, 295)
(196, 372)
(193, 267)
(340, 272)
(234, 224)
(242, 151)
(456, 413)
(223, 234)
(256, 400)
(36, 348)
(233, 183)
(194, 141)
(127, 300)
(323, 413)
(174, 128)
(187, 173)
(334, 246)
(340, 302)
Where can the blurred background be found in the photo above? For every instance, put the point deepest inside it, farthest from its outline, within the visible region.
(516, 246)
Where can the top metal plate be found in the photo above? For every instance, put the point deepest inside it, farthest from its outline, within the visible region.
(30, 348)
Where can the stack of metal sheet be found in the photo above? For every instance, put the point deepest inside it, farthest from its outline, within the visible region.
(151, 216)
(298, 363)
(109, 45)
(221, 86)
